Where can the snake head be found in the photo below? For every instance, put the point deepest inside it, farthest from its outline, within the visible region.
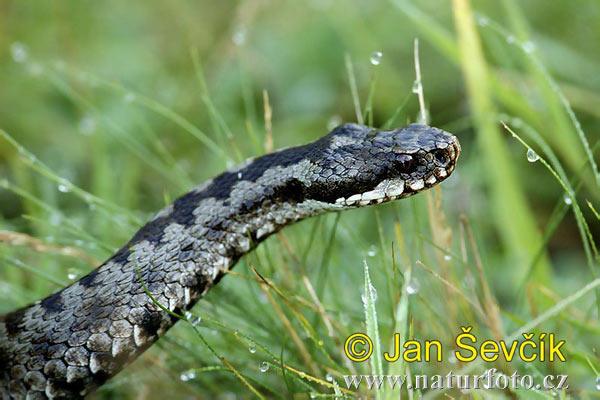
(363, 166)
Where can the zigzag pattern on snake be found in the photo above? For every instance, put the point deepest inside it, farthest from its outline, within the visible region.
(72, 341)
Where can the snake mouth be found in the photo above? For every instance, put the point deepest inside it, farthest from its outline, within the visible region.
(398, 188)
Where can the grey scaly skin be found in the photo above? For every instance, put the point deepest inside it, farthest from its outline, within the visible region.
(72, 341)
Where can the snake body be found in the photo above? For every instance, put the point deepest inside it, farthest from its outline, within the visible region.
(72, 341)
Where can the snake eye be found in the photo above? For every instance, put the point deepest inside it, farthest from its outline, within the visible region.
(440, 157)
(406, 163)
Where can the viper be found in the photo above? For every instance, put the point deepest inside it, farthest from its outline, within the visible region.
(71, 342)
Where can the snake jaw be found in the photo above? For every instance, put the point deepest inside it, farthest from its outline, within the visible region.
(388, 190)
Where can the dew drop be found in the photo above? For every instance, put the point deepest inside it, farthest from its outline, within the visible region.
(263, 298)
(452, 358)
(188, 315)
(64, 188)
(239, 36)
(252, 349)
(372, 251)
(416, 87)
(373, 295)
(239, 175)
(72, 274)
(567, 199)
(376, 57)
(196, 321)
(129, 97)
(86, 126)
(313, 395)
(333, 122)
(510, 39)
(188, 375)
(532, 156)
(413, 286)
(18, 52)
(528, 47)
(55, 219)
(344, 319)
(447, 257)
(329, 378)
(598, 383)
(264, 366)
(483, 21)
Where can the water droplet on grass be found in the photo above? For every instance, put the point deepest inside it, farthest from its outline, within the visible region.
(416, 87)
(375, 58)
(363, 296)
(72, 274)
(55, 219)
(239, 36)
(532, 156)
(87, 126)
(195, 321)
(372, 251)
(567, 199)
(598, 383)
(129, 97)
(344, 319)
(252, 349)
(264, 366)
(528, 46)
(313, 395)
(64, 188)
(188, 375)
(329, 378)
(18, 52)
(452, 358)
(483, 21)
(413, 286)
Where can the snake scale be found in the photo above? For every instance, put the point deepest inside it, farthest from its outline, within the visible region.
(71, 342)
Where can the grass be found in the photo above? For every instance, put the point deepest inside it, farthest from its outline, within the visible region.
(96, 141)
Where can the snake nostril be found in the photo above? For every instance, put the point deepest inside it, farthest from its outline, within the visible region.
(440, 156)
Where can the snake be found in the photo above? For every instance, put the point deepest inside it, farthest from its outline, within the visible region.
(71, 342)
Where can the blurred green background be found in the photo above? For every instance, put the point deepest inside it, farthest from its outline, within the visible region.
(122, 106)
